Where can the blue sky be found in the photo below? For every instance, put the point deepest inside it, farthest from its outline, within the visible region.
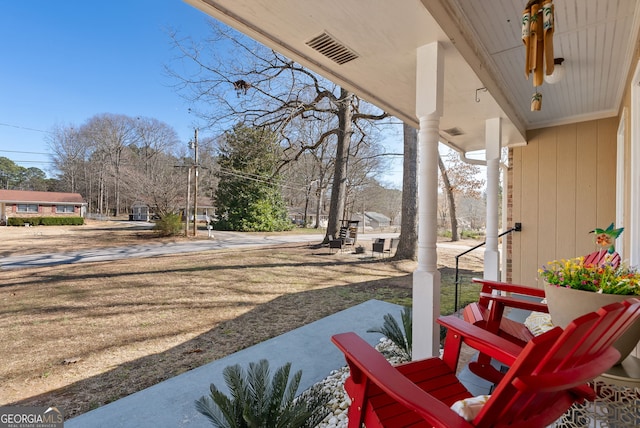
(65, 61)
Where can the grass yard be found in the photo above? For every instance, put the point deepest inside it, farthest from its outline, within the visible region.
(80, 336)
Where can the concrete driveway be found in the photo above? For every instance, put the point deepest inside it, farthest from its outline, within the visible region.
(220, 241)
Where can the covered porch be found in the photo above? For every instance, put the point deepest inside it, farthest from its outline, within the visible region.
(454, 70)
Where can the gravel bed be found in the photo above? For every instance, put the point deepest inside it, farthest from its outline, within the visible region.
(334, 384)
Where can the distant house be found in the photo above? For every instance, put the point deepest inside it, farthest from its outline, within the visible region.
(374, 220)
(297, 217)
(25, 203)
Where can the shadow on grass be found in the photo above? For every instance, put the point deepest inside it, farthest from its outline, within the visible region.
(264, 321)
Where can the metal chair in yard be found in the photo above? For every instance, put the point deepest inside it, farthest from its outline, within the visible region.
(544, 378)
(377, 246)
(335, 244)
(393, 245)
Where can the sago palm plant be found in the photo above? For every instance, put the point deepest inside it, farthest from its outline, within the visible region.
(258, 401)
(400, 336)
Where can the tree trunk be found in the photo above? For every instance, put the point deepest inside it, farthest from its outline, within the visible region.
(450, 197)
(339, 187)
(408, 245)
(319, 205)
(307, 196)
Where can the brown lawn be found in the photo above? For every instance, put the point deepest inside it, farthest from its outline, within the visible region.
(80, 336)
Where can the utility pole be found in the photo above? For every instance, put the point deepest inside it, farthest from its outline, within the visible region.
(195, 183)
(188, 205)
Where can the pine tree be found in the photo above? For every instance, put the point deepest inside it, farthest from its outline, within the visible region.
(249, 198)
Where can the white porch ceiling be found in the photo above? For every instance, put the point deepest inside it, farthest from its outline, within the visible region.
(483, 49)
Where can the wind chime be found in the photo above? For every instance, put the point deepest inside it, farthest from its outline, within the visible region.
(537, 35)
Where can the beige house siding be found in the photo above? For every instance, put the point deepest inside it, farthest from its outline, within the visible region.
(563, 187)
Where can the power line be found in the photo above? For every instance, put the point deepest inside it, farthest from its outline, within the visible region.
(24, 127)
(26, 153)
(248, 176)
(31, 161)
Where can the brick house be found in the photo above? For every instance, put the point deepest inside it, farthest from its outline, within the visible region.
(25, 203)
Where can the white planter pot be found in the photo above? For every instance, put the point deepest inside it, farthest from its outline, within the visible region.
(566, 304)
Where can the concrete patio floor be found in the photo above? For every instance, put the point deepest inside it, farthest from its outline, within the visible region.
(171, 403)
(308, 348)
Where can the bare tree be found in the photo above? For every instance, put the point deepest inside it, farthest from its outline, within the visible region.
(375, 197)
(69, 155)
(112, 134)
(150, 174)
(459, 178)
(154, 139)
(158, 190)
(300, 184)
(114, 160)
(365, 161)
(262, 88)
(448, 190)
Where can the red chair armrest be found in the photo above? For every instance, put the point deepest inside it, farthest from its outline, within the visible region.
(478, 339)
(366, 363)
(515, 302)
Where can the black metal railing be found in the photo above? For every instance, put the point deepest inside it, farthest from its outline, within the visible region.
(516, 228)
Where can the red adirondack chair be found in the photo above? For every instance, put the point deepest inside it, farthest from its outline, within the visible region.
(544, 380)
(487, 313)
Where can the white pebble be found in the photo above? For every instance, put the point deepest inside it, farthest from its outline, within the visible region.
(334, 385)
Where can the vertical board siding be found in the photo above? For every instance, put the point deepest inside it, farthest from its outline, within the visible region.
(586, 190)
(606, 171)
(566, 196)
(547, 196)
(563, 187)
(529, 213)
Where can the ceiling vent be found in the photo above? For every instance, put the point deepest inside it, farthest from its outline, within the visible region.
(332, 49)
(454, 132)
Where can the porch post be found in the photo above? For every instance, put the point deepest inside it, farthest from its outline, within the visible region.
(493, 143)
(426, 278)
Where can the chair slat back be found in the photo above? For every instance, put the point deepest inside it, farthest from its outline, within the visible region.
(554, 368)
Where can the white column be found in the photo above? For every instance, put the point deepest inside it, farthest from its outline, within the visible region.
(493, 144)
(426, 278)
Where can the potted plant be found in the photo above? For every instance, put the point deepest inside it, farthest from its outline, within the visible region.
(575, 286)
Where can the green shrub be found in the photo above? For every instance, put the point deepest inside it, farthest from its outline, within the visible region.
(445, 233)
(46, 221)
(169, 225)
(257, 401)
(471, 234)
(62, 221)
(400, 336)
